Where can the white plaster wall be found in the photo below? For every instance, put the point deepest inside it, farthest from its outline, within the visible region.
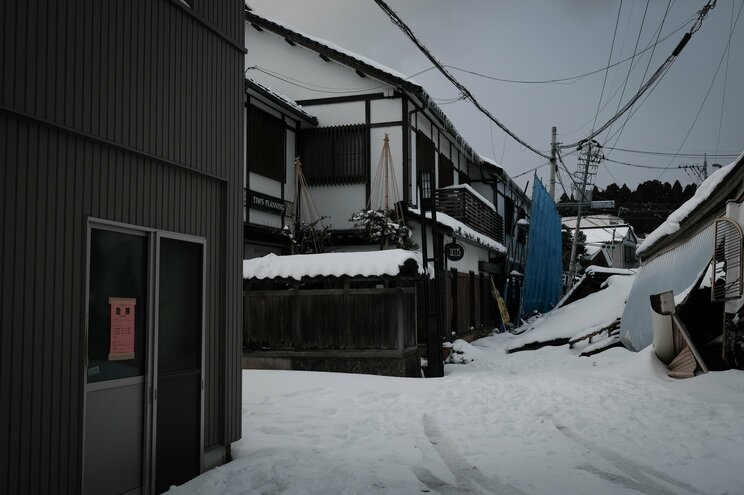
(289, 160)
(469, 262)
(338, 203)
(387, 110)
(262, 184)
(266, 219)
(321, 79)
(422, 123)
(412, 190)
(338, 113)
(377, 136)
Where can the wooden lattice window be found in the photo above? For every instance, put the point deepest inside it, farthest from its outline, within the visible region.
(266, 146)
(335, 155)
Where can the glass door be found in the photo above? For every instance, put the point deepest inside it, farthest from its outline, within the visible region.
(179, 357)
(117, 357)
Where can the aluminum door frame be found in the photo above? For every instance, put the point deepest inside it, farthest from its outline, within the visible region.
(157, 236)
(153, 281)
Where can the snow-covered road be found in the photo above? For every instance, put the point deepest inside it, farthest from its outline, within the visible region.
(538, 422)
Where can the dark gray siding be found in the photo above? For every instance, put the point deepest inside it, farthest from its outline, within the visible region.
(125, 111)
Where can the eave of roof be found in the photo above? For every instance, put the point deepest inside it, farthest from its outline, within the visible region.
(281, 102)
(347, 59)
(321, 48)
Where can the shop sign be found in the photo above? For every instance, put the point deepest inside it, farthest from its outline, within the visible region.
(454, 251)
(260, 201)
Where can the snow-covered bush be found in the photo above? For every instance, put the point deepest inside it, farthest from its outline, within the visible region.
(376, 226)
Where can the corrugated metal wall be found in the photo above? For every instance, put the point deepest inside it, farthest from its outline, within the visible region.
(125, 111)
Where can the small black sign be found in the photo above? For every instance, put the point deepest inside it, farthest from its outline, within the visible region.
(454, 251)
(265, 202)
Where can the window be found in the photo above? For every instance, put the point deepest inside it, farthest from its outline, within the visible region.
(630, 253)
(521, 229)
(508, 215)
(267, 137)
(425, 153)
(462, 177)
(446, 172)
(335, 155)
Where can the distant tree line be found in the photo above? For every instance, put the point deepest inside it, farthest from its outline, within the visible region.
(645, 208)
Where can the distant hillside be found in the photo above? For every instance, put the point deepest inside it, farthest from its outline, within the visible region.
(644, 208)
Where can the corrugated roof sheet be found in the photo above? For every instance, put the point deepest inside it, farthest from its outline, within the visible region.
(673, 270)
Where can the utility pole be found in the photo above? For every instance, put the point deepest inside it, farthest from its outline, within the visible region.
(592, 156)
(553, 163)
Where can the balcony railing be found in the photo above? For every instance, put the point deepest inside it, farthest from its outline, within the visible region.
(461, 204)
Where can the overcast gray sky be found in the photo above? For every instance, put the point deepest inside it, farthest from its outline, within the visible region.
(550, 39)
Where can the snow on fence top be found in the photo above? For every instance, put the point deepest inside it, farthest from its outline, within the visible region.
(672, 224)
(474, 193)
(363, 264)
(461, 230)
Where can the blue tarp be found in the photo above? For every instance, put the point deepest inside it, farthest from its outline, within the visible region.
(543, 281)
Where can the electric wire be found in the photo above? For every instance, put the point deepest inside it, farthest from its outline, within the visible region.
(635, 50)
(657, 75)
(406, 30)
(725, 80)
(707, 93)
(569, 78)
(663, 153)
(609, 60)
(645, 72)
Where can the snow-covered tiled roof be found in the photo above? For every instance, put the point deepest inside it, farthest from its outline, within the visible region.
(284, 99)
(286, 29)
(360, 264)
(605, 235)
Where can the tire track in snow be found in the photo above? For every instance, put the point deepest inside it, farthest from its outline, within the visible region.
(637, 474)
(468, 478)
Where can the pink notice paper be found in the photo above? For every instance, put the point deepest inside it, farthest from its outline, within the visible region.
(122, 328)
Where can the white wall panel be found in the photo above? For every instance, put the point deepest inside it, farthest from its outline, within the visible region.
(320, 79)
(338, 203)
(387, 110)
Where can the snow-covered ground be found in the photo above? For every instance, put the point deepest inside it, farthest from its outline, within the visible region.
(536, 422)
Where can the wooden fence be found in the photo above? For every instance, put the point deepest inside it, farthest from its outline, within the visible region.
(330, 319)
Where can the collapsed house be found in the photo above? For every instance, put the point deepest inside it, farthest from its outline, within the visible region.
(696, 254)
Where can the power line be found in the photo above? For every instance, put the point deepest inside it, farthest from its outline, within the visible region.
(563, 79)
(406, 30)
(725, 79)
(635, 164)
(635, 50)
(662, 153)
(655, 77)
(609, 59)
(707, 93)
(645, 72)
